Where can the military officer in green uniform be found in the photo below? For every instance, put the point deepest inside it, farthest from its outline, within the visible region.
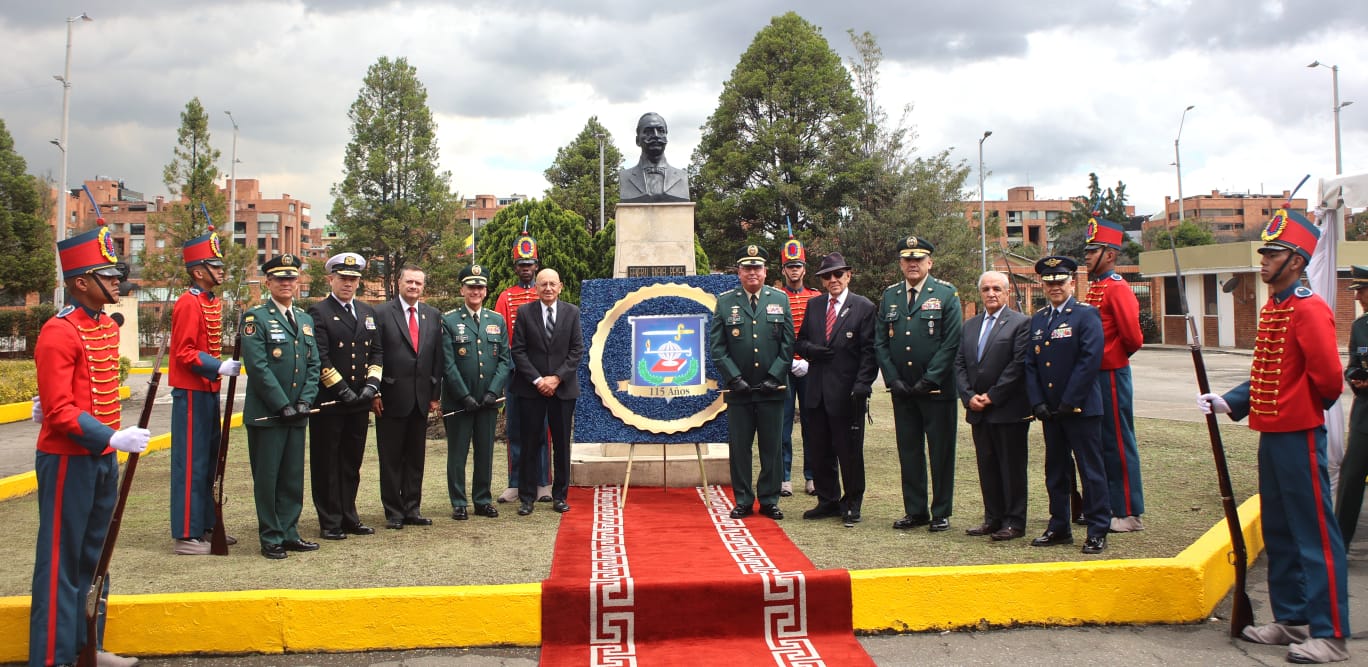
(478, 364)
(751, 343)
(916, 336)
(281, 359)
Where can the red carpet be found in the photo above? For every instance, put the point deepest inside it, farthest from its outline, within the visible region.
(671, 579)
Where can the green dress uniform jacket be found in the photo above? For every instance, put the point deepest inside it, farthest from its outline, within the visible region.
(477, 362)
(755, 345)
(913, 344)
(1355, 464)
(282, 368)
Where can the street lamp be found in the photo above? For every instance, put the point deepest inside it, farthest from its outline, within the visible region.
(1334, 84)
(232, 187)
(1178, 162)
(603, 222)
(983, 220)
(58, 295)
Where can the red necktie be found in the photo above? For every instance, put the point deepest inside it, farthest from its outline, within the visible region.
(413, 327)
(831, 318)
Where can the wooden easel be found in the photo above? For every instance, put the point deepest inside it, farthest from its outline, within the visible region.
(664, 470)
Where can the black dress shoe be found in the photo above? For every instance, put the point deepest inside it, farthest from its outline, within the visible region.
(981, 530)
(1051, 538)
(333, 535)
(459, 513)
(274, 551)
(772, 511)
(561, 506)
(524, 509)
(1095, 545)
(740, 512)
(359, 529)
(1080, 520)
(849, 519)
(417, 520)
(299, 545)
(1008, 533)
(486, 510)
(822, 511)
(908, 523)
(395, 524)
(938, 525)
(544, 499)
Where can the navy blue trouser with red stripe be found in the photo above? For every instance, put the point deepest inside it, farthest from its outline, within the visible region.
(1306, 569)
(195, 435)
(1120, 452)
(76, 498)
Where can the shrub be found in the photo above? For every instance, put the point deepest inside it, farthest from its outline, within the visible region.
(18, 380)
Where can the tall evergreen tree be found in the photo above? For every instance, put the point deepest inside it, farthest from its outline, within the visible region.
(574, 176)
(563, 244)
(784, 142)
(27, 253)
(1069, 236)
(392, 204)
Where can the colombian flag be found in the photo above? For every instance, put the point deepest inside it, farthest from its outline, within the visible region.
(469, 245)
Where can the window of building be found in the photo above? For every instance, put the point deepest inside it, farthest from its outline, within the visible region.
(292, 207)
(239, 227)
(266, 227)
(1173, 304)
(1209, 294)
(136, 229)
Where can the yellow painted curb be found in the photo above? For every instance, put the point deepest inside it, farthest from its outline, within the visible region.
(23, 410)
(1185, 588)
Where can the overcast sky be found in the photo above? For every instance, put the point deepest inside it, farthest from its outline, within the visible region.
(1066, 87)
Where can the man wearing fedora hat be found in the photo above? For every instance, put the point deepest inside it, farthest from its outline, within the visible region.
(1294, 376)
(348, 340)
(1354, 467)
(838, 342)
(750, 340)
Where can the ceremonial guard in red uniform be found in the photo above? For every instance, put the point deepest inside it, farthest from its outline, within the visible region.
(525, 265)
(794, 256)
(1295, 376)
(1111, 295)
(76, 467)
(194, 372)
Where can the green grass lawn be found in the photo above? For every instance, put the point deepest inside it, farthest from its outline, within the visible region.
(1180, 492)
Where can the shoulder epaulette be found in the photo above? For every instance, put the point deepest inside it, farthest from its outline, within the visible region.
(451, 311)
(1303, 292)
(891, 286)
(196, 291)
(1042, 309)
(1117, 276)
(67, 310)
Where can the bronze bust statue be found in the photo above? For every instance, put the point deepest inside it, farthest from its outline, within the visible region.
(652, 179)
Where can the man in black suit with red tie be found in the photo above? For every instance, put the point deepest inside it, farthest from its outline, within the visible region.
(410, 338)
(837, 339)
(547, 346)
(991, 379)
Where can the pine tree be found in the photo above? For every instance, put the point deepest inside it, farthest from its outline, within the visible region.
(574, 176)
(27, 252)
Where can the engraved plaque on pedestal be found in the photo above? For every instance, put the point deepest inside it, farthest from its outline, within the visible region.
(654, 240)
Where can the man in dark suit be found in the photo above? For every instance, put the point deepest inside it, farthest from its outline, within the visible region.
(411, 382)
(349, 348)
(1063, 358)
(547, 346)
(838, 342)
(990, 376)
(652, 180)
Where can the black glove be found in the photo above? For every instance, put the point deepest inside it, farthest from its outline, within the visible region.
(818, 352)
(347, 396)
(491, 400)
(1042, 412)
(469, 404)
(288, 414)
(900, 389)
(1066, 410)
(770, 386)
(368, 394)
(859, 395)
(861, 391)
(302, 410)
(924, 387)
(738, 385)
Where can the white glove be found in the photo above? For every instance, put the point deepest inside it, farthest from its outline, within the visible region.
(800, 367)
(1209, 403)
(37, 410)
(132, 440)
(230, 368)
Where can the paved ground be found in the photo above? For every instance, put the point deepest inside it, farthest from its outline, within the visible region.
(1164, 389)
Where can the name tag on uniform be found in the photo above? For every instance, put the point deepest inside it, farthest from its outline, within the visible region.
(733, 319)
(1062, 332)
(277, 337)
(774, 309)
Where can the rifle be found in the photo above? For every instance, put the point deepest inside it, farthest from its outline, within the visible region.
(218, 540)
(1241, 611)
(1011, 279)
(97, 584)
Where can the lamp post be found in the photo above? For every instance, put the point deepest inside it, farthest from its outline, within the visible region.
(983, 220)
(1334, 85)
(603, 222)
(58, 295)
(1178, 161)
(232, 187)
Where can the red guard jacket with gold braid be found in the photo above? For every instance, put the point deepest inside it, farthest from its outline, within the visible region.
(78, 382)
(798, 306)
(1111, 295)
(510, 300)
(196, 341)
(1296, 366)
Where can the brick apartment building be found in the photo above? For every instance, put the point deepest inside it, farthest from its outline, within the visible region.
(481, 208)
(1022, 218)
(1233, 216)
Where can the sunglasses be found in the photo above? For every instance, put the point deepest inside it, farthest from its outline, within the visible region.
(833, 275)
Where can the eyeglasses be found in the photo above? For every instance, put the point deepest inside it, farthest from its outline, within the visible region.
(833, 275)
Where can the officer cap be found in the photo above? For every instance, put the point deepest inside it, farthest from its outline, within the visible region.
(281, 266)
(751, 255)
(915, 247)
(1358, 276)
(346, 264)
(1055, 269)
(474, 275)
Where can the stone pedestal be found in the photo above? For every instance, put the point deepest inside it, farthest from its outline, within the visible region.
(654, 240)
(592, 464)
